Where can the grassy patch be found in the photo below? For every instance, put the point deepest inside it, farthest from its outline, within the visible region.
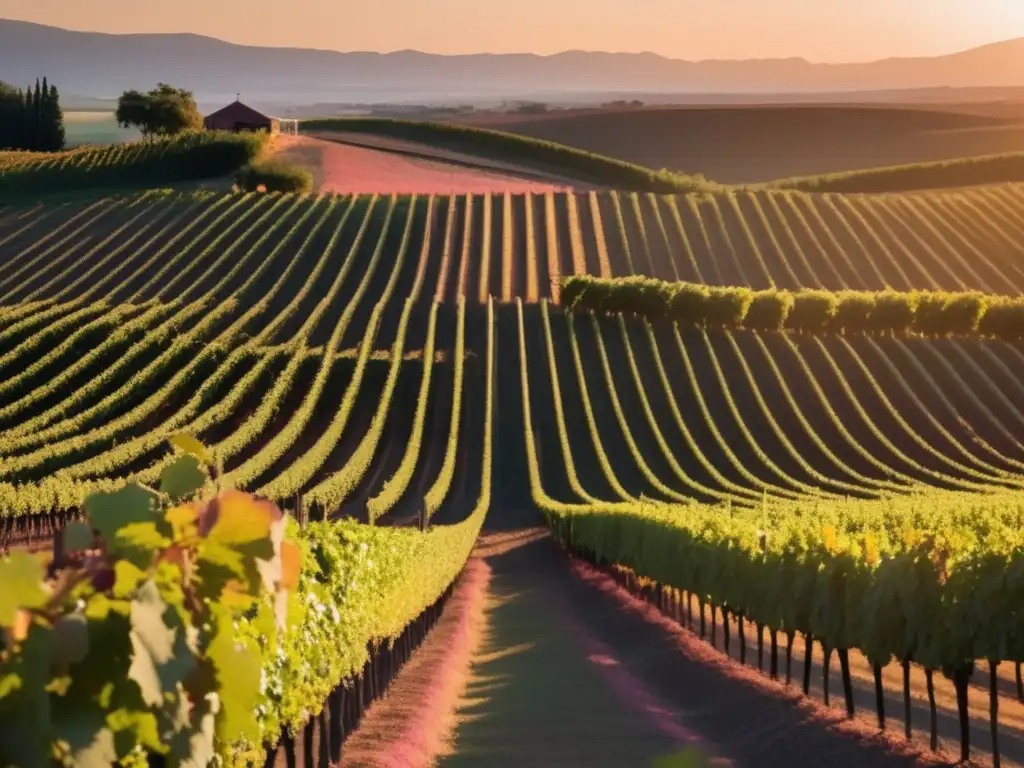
(275, 176)
(95, 128)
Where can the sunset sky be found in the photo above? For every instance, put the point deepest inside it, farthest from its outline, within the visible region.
(819, 30)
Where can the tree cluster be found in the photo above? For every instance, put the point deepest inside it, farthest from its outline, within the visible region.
(163, 111)
(31, 119)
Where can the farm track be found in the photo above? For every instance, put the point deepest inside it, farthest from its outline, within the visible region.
(289, 333)
(571, 672)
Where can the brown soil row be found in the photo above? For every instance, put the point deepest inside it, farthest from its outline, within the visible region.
(411, 724)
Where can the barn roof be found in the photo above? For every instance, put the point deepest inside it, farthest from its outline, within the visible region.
(240, 112)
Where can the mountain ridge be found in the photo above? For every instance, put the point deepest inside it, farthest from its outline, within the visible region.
(102, 64)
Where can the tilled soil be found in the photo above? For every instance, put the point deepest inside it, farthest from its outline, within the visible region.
(411, 724)
(349, 169)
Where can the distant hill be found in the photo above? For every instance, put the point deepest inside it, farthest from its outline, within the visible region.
(101, 65)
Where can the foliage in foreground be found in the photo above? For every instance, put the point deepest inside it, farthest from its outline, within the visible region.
(510, 146)
(199, 629)
(929, 313)
(185, 157)
(274, 176)
(132, 641)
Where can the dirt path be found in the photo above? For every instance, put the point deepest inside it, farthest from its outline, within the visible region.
(411, 725)
(344, 168)
(473, 162)
(570, 673)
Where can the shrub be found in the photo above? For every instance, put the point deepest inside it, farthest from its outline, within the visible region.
(624, 296)
(656, 299)
(1003, 318)
(574, 291)
(768, 310)
(942, 314)
(928, 313)
(854, 311)
(727, 307)
(688, 302)
(598, 296)
(962, 312)
(894, 312)
(275, 176)
(812, 311)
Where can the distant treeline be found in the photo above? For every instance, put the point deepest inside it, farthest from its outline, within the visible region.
(929, 313)
(31, 119)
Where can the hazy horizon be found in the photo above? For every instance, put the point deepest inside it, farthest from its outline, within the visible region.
(681, 29)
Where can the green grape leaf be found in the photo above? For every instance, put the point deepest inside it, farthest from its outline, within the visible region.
(194, 748)
(70, 639)
(161, 658)
(134, 727)
(140, 543)
(239, 545)
(26, 705)
(228, 576)
(20, 744)
(192, 447)
(77, 536)
(127, 576)
(112, 511)
(88, 739)
(238, 680)
(183, 478)
(21, 575)
(238, 518)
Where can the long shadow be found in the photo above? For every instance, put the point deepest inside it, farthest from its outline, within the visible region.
(546, 688)
(534, 699)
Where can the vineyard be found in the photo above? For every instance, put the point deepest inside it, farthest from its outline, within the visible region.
(367, 354)
(189, 156)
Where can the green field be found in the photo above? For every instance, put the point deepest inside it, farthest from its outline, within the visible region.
(95, 128)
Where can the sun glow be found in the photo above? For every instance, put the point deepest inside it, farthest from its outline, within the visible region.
(689, 29)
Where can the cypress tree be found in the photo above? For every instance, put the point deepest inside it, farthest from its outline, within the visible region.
(27, 128)
(10, 116)
(55, 128)
(31, 119)
(37, 118)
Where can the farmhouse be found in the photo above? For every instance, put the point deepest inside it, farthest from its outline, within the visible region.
(239, 117)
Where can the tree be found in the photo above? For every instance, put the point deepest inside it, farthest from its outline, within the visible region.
(163, 111)
(28, 122)
(37, 107)
(31, 119)
(51, 135)
(12, 105)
